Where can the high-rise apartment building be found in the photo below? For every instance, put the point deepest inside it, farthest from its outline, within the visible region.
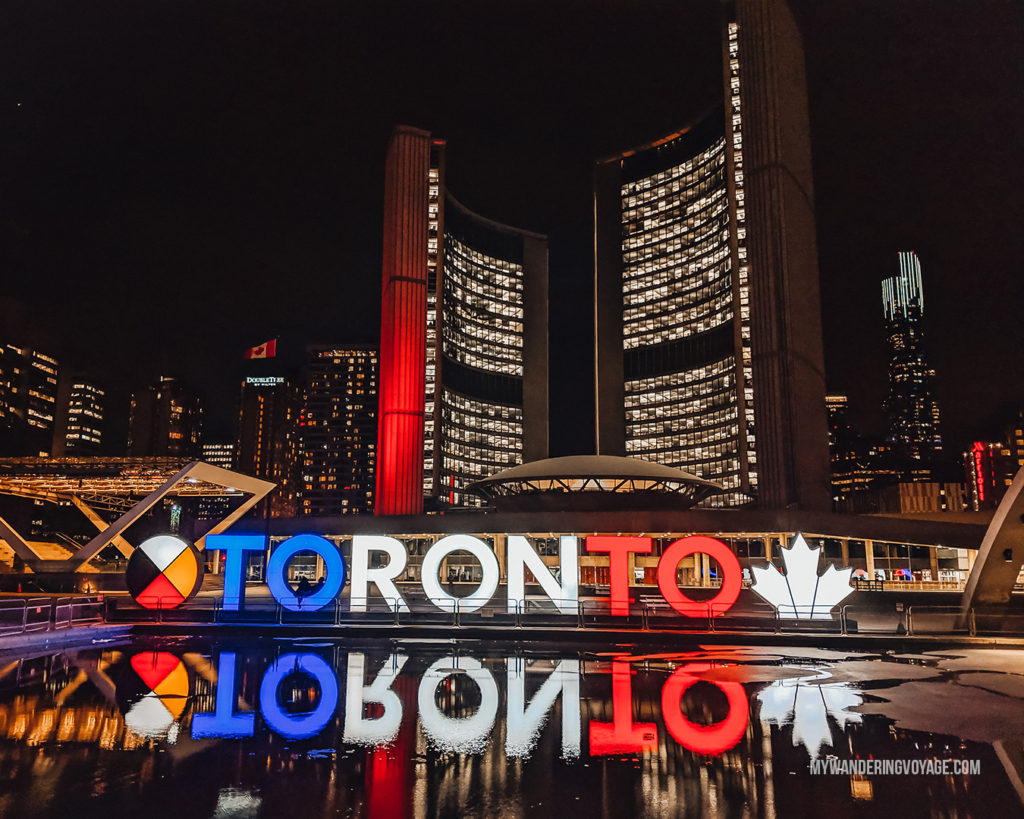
(337, 431)
(79, 425)
(708, 350)
(464, 385)
(266, 441)
(913, 413)
(842, 441)
(165, 418)
(28, 400)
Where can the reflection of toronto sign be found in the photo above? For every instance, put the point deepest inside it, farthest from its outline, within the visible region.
(799, 593)
(373, 711)
(563, 590)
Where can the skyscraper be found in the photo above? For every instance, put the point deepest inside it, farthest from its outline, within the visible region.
(265, 444)
(708, 324)
(166, 418)
(28, 400)
(337, 431)
(913, 413)
(79, 425)
(841, 438)
(464, 389)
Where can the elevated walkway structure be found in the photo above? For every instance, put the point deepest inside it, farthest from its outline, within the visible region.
(122, 487)
(1001, 554)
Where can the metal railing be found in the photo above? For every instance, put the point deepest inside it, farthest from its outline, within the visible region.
(42, 614)
(24, 615)
(587, 614)
(538, 613)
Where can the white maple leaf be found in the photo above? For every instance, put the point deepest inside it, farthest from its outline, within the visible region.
(801, 593)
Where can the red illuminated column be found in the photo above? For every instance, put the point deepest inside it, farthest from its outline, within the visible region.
(622, 735)
(712, 739)
(403, 326)
(618, 550)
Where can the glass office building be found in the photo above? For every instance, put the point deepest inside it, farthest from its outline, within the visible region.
(337, 431)
(913, 413)
(80, 422)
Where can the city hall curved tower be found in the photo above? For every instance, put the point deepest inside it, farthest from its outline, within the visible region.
(677, 367)
(708, 349)
(464, 384)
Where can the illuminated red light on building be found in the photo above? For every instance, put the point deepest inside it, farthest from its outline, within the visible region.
(979, 472)
(403, 329)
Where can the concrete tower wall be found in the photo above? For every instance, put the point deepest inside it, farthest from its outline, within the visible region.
(788, 361)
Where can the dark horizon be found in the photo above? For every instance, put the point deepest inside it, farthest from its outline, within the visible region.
(184, 182)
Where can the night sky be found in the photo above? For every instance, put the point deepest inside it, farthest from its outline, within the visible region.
(182, 179)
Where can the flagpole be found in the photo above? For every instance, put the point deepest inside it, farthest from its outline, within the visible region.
(270, 464)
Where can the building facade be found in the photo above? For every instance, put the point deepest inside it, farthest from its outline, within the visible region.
(28, 400)
(165, 419)
(266, 438)
(464, 387)
(80, 411)
(219, 453)
(913, 412)
(336, 431)
(708, 326)
(991, 466)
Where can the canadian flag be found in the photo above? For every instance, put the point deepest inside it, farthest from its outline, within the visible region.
(268, 349)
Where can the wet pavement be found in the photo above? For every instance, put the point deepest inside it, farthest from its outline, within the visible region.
(312, 727)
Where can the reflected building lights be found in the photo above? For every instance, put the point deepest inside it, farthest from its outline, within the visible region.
(449, 729)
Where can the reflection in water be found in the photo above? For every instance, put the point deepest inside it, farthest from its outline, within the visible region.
(525, 722)
(288, 728)
(157, 712)
(457, 735)
(382, 729)
(807, 708)
(306, 724)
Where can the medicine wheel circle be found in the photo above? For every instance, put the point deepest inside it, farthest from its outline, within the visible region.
(164, 572)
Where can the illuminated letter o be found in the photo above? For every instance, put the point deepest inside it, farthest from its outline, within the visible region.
(466, 735)
(334, 564)
(298, 726)
(732, 576)
(712, 739)
(432, 562)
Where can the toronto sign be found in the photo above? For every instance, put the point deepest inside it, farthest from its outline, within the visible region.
(799, 593)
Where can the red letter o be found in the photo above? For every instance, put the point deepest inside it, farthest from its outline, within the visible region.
(705, 739)
(732, 576)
